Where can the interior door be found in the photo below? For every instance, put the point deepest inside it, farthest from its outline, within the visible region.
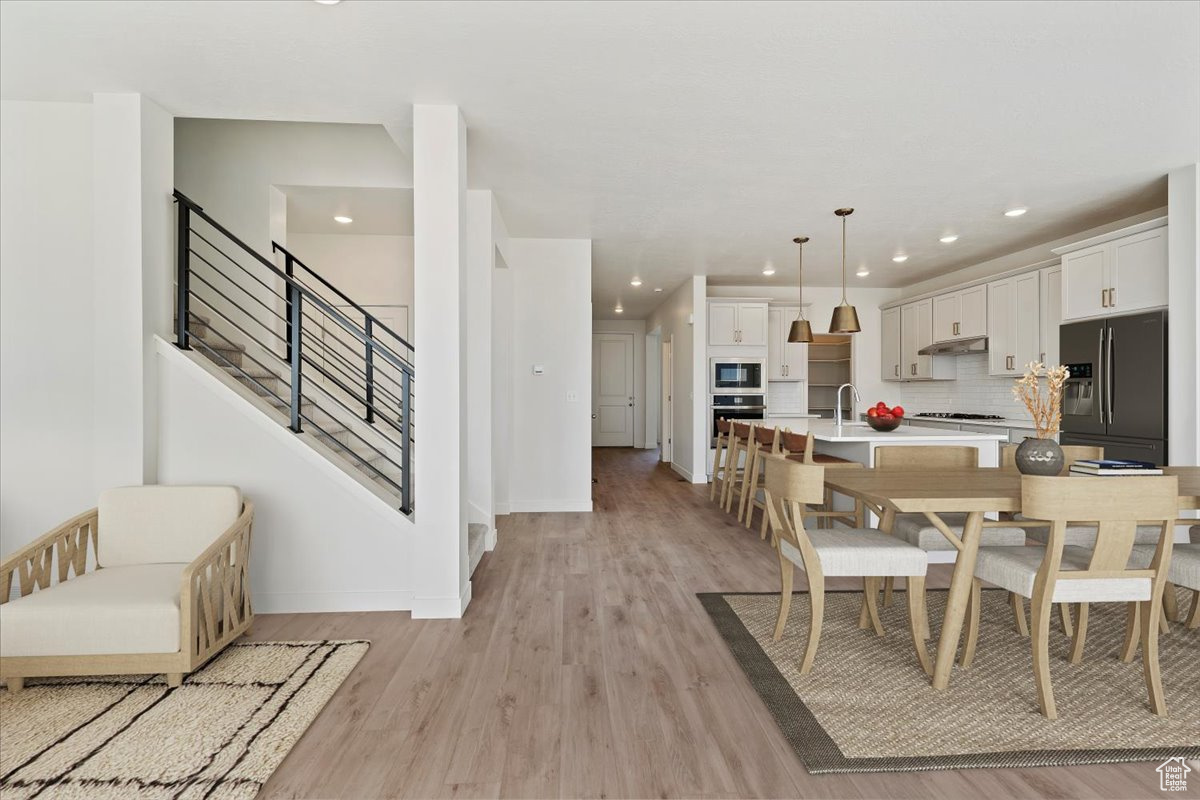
(612, 390)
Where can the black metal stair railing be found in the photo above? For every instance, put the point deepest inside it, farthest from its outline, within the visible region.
(366, 366)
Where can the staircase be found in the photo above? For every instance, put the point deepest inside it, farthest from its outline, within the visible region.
(301, 350)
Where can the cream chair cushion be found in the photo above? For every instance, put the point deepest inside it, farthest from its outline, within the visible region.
(1185, 563)
(1085, 535)
(860, 551)
(163, 524)
(1015, 568)
(916, 529)
(132, 609)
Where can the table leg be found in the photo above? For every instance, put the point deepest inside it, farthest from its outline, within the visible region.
(957, 600)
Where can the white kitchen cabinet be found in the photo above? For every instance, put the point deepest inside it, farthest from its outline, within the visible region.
(916, 332)
(786, 361)
(733, 323)
(960, 314)
(1014, 323)
(1051, 302)
(1120, 274)
(890, 369)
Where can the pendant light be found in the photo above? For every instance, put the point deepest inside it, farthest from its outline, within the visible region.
(801, 331)
(845, 318)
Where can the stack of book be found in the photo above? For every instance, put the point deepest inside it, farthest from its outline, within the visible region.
(1114, 466)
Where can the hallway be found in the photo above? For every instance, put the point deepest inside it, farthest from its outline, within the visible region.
(586, 667)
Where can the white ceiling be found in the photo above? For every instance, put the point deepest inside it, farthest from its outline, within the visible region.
(311, 209)
(697, 138)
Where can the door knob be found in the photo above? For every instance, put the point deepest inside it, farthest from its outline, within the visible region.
(593, 416)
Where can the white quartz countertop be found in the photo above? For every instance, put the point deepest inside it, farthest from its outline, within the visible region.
(827, 430)
(991, 423)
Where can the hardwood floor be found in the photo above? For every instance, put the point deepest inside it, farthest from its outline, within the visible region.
(586, 667)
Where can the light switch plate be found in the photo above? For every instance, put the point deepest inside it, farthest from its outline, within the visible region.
(572, 397)
(539, 369)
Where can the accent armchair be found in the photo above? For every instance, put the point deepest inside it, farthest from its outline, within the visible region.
(166, 587)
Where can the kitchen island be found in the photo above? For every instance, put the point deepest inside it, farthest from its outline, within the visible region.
(856, 441)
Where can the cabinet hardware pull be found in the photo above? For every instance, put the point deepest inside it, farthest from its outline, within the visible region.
(1112, 297)
(897, 370)
(1104, 298)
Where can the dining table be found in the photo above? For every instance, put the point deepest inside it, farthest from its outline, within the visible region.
(975, 492)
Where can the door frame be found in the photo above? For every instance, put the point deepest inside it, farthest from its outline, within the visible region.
(631, 367)
(668, 400)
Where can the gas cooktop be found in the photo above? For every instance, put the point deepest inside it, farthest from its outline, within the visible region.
(956, 415)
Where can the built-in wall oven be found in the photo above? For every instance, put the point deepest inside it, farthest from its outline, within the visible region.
(737, 375)
(739, 407)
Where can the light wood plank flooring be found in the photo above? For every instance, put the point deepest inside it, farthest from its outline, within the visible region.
(585, 667)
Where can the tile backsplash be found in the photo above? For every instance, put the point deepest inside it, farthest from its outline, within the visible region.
(973, 392)
(787, 397)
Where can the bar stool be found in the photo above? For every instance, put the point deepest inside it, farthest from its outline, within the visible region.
(719, 468)
(739, 444)
(765, 440)
(799, 447)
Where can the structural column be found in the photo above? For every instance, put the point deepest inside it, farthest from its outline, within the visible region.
(441, 579)
(1183, 329)
(133, 169)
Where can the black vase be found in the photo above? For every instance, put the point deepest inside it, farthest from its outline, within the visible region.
(1039, 457)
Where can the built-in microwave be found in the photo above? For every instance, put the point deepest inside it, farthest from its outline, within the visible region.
(737, 375)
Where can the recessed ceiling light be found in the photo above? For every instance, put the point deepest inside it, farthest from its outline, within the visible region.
(863, 272)
(900, 259)
(619, 310)
(1015, 212)
(636, 282)
(768, 268)
(948, 239)
(658, 288)
(343, 220)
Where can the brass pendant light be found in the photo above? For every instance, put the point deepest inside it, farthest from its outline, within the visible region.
(845, 318)
(801, 331)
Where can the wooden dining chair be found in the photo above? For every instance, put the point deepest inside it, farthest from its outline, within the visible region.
(869, 553)
(919, 530)
(765, 440)
(798, 447)
(739, 445)
(723, 428)
(1061, 573)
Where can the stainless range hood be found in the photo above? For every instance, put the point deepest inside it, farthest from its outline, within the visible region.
(961, 347)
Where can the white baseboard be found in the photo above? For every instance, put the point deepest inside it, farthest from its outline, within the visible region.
(502, 509)
(551, 506)
(319, 602)
(688, 476)
(489, 540)
(442, 607)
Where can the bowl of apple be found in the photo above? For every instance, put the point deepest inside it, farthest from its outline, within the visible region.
(883, 418)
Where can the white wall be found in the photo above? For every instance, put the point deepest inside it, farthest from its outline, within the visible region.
(502, 383)
(371, 269)
(551, 465)
(321, 542)
(1183, 346)
(47, 386)
(681, 318)
(636, 327)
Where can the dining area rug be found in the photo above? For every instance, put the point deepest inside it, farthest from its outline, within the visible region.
(218, 736)
(866, 706)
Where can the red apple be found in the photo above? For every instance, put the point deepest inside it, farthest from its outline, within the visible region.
(872, 412)
(887, 415)
(881, 406)
(898, 411)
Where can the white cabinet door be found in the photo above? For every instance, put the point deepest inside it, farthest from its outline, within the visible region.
(909, 322)
(1000, 316)
(795, 354)
(890, 346)
(775, 340)
(1027, 323)
(1138, 272)
(722, 323)
(921, 318)
(946, 314)
(1051, 313)
(752, 324)
(972, 319)
(1085, 282)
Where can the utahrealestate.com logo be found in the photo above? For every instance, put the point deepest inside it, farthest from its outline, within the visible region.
(1172, 775)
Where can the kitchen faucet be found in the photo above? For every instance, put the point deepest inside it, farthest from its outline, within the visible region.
(839, 401)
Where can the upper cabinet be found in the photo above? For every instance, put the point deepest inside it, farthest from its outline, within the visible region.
(916, 332)
(734, 323)
(960, 314)
(1015, 324)
(1050, 279)
(1115, 274)
(890, 345)
(786, 361)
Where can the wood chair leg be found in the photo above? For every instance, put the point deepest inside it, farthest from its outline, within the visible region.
(712, 490)
(15, 684)
(1064, 615)
(816, 594)
(762, 533)
(1193, 618)
(1039, 634)
(1171, 603)
(827, 522)
(1018, 609)
(749, 483)
(968, 651)
(1132, 632)
(916, 612)
(871, 591)
(786, 571)
(174, 679)
(1158, 704)
(889, 586)
(1081, 623)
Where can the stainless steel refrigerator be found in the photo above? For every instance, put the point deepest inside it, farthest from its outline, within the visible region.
(1116, 394)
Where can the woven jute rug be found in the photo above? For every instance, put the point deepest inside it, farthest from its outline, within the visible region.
(220, 735)
(866, 706)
